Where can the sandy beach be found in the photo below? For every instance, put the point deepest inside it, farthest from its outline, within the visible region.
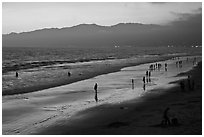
(56, 75)
(142, 116)
(101, 68)
(54, 110)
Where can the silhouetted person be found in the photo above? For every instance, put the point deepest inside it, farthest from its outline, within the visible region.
(149, 79)
(16, 74)
(159, 66)
(180, 64)
(96, 88)
(144, 80)
(149, 74)
(165, 116)
(132, 83)
(143, 86)
(146, 73)
(165, 65)
(69, 74)
(151, 67)
(194, 61)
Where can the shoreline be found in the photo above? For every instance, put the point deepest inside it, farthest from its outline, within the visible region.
(50, 106)
(130, 117)
(86, 74)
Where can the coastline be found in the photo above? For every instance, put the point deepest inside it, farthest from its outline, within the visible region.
(130, 117)
(48, 107)
(83, 72)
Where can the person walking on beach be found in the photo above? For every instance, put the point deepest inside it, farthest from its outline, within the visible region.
(144, 80)
(146, 73)
(96, 88)
(165, 116)
(149, 74)
(16, 74)
(132, 83)
(144, 87)
(165, 66)
(69, 74)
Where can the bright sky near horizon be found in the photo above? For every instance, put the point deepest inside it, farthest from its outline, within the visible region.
(22, 16)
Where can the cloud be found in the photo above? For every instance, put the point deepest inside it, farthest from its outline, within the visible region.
(194, 16)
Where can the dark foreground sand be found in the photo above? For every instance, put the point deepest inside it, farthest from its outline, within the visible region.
(141, 116)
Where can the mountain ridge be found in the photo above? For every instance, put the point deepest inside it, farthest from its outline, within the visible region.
(182, 32)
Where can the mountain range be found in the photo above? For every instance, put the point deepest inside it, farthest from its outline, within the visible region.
(184, 32)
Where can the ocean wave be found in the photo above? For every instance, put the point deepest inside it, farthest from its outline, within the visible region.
(46, 64)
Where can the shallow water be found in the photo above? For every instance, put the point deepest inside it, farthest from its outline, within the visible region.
(45, 65)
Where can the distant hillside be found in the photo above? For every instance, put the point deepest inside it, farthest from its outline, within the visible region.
(183, 32)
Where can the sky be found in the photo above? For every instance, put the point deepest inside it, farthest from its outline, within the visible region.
(23, 17)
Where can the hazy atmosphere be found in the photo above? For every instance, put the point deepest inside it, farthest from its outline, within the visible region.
(106, 68)
(31, 16)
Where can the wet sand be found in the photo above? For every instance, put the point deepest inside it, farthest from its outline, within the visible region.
(31, 80)
(28, 113)
(141, 116)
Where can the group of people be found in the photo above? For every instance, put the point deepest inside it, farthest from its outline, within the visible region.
(179, 64)
(152, 67)
(155, 66)
(166, 119)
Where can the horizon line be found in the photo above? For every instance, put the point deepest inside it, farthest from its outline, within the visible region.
(73, 26)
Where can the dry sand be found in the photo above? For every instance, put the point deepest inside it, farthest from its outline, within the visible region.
(28, 113)
(142, 116)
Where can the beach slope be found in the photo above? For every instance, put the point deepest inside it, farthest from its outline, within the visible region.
(142, 116)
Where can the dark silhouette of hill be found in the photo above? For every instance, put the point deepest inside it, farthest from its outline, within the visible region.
(186, 31)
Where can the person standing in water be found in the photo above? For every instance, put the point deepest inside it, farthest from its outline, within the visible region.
(96, 88)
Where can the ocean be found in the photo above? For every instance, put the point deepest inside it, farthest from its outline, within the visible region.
(40, 66)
